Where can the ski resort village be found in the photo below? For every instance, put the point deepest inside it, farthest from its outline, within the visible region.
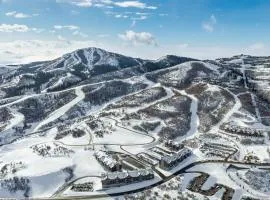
(99, 125)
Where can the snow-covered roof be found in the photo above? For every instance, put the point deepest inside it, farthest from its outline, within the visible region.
(123, 175)
(106, 159)
(175, 156)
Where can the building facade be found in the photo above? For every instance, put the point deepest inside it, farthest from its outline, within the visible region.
(171, 161)
(118, 179)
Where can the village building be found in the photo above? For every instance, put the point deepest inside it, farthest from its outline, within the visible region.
(172, 145)
(118, 179)
(171, 161)
(245, 131)
(108, 161)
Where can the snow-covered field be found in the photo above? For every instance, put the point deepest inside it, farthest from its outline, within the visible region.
(91, 100)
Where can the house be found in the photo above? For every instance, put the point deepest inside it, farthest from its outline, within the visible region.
(171, 161)
(118, 179)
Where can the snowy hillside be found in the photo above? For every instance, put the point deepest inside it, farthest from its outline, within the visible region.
(87, 122)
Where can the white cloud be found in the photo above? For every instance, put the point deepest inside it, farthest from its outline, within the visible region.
(75, 12)
(134, 4)
(108, 3)
(16, 14)
(138, 38)
(12, 13)
(9, 28)
(37, 30)
(81, 34)
(36, 50)
(209, 25)
(120, 16)
(69, 27)
(256, 46)
(182, 46)
(61, 38)
(142, 17)
(142, 13)
(80, 3)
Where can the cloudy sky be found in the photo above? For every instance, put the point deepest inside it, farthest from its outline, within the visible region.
(32, 30)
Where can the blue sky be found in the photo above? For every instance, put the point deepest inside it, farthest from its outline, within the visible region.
(33, 30)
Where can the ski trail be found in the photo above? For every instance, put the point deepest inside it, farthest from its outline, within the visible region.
(194, 121)
(17, 119)
(243, 70)
(61, 111)
(17, 101)
(235, 108)
(256, 107)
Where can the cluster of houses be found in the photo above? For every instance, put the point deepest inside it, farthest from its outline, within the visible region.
(117, 179)
(245, 131)
(172, 145)
(108, 161)
(170, 161)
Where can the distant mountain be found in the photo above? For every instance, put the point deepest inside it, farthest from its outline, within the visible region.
(80, 66)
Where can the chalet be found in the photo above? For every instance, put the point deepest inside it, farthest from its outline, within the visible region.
(108, 161)
(118, 179)
(171, 161)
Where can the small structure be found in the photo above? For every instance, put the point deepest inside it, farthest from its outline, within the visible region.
(174, 146)
(171, 161)
(108, 161)
(118, 179)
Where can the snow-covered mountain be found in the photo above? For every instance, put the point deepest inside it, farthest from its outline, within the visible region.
(55, 116)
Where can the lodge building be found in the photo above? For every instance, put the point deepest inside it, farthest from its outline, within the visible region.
(117, 179)
(171, 161)
(172, 145)
(107, 161)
